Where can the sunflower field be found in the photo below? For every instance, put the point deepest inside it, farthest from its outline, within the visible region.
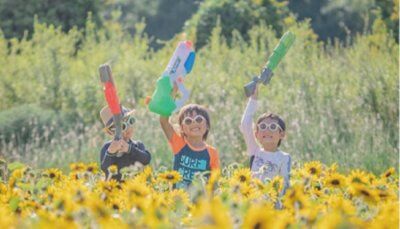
(319, 197)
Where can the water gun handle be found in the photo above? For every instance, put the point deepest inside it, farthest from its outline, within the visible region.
(110, 94)
(162, 95)
(185, 95)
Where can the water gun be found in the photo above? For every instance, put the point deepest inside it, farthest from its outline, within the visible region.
(181, 63)
(110, 93)
(279, 52)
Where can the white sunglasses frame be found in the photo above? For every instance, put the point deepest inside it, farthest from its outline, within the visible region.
(193, 120)
(268, 126)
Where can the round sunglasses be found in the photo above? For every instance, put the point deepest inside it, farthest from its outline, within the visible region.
(273, 127)
(198, 119)
(129, 121)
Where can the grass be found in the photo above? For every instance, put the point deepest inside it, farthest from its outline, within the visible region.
(339, 101)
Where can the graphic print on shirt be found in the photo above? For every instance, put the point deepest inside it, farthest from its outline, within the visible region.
(265, 168)
(187, 163)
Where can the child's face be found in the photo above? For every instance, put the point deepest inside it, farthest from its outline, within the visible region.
(271, 134)
(194, 125)
(128, 133)
(127, 126)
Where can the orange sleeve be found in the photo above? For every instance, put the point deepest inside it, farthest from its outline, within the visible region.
(176, 143)
(214, 158)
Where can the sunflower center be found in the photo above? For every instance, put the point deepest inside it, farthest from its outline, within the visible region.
(242, 178)
(170, 177)
(335, 182)
(257, 225)
(313, 170)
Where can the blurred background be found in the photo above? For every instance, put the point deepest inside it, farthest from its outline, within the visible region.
(337, 89)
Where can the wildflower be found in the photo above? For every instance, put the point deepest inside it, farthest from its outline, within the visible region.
(112, 169)
(170, 176)
(313, 168)
(335, 180)
(388, 173)
(242, 175)
(358, 177)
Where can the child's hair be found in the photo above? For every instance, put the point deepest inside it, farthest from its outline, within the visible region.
(200, 110)
(275, 117)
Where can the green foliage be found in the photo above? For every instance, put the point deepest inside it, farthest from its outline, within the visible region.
(19, 123)
(16, 16)
(340, 103)
(341, 18)
(239, 15)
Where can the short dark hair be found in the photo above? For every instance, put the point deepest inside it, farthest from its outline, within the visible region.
(200, 110)
(275, 117)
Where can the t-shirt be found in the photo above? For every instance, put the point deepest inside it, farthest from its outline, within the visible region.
(189, 160)
(263, 164)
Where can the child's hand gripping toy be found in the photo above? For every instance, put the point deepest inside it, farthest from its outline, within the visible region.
(279, 52)
(180, 64)
(110, 93)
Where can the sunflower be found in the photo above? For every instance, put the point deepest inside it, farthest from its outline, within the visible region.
(54, 174)
(172, 177)
(369, 195)
(242, 175)
(112, 169)
(357, 177)
(388, 173)
(212, 183)
(259, 217)
(313, 168)
(335, 180)
(296, 198)
(92, 168)
(77, 167)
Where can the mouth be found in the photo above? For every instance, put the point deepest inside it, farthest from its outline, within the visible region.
(266, 137)
(195, 129)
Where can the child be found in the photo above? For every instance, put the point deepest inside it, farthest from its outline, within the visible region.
(268, 161)
(132, 151)
(191, 152)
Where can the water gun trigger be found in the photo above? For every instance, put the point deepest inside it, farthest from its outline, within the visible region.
(184, 97)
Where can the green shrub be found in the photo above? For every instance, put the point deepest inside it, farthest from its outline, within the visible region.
(22, 123)
(239, 15)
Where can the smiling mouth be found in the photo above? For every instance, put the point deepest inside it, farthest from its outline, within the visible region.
(195, 129)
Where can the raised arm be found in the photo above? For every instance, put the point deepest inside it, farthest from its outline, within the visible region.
(166, 127)
(246, 126)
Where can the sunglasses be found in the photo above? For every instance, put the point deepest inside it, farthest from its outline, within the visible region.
(273, 127)
(198, 119)
(129, 121)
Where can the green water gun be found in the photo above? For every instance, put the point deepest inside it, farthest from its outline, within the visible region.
(279, 52)
(180, 64)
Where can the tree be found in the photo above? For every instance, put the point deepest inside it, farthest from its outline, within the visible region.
(240, 15)
(16, 16)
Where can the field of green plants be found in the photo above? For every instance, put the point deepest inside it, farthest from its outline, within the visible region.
(339, 99)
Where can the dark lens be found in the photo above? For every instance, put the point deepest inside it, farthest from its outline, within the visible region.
(124, 126)
(199, 119)
(188, 121)
(273, 127)
(131, 120)
(263, 126)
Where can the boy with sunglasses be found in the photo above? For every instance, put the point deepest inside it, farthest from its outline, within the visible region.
(123, 152)
(266, 161)
(191, 152)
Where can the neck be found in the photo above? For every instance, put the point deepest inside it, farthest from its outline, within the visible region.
(270, 148)
(195, 141)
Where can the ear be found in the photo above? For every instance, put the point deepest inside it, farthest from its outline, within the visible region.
(282, 134)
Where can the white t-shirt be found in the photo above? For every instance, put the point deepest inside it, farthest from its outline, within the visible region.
(265, 164)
